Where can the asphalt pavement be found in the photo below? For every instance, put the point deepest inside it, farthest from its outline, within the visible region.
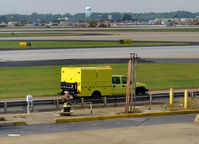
(94, 61)
(100, 53)
(135, 36)
(95, 125)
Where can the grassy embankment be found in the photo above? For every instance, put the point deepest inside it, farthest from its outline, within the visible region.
(72, 44)
(45, 81)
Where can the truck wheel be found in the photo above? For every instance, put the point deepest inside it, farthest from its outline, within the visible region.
(96, 95)
(140, 91)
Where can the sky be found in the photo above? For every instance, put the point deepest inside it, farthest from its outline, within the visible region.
(78, 6)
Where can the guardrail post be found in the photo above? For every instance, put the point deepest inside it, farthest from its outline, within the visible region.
(171, 96)
(150, 101)
(115, 101)
(185, 99)
(91, 108)
(5, 107)
(105, 101)
(192, 94)
(195, 95)
(57, 104)
(82, 102)
(32, 106)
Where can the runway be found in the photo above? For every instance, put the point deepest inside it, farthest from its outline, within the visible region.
(94, 61)
(100, 53)
(135, 36)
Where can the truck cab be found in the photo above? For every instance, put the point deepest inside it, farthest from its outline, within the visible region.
(120, 83)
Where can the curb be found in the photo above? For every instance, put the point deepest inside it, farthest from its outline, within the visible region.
(8, 124)
(93, 118)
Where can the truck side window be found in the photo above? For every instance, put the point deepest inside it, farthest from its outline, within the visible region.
(116, 80)
(124, 80)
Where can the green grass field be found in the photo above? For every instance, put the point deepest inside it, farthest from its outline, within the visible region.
(153, 30)
(166, 29)
(72, 44)
(45, 81)
(37, 34)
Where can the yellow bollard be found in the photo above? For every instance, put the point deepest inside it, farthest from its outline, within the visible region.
(197, 117)
(185, 99)
(171, 96)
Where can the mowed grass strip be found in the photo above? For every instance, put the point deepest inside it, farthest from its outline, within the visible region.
(79, 44)
(153, 30)
(45, 81)
(37, 34)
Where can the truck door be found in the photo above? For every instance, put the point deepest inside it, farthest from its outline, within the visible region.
(124, 83)
(117, 86)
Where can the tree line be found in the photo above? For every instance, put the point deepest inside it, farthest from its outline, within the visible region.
(80, 17)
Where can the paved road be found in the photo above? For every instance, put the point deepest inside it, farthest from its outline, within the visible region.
(94, 61)
(100, 53)
(135, 36)
(94, 125)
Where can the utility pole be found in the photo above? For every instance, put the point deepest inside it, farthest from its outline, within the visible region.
(128, 85)
(135, 75)
(131, 82)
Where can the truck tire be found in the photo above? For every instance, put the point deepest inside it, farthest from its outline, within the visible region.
(140, 91)
(96, 95)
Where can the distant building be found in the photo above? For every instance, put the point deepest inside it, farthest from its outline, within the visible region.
(152, 22)
(12, 23)
(63, 21)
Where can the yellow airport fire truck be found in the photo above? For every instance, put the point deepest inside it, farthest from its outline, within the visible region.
(95, 82)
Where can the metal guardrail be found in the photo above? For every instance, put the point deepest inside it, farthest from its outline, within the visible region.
(105, 100)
